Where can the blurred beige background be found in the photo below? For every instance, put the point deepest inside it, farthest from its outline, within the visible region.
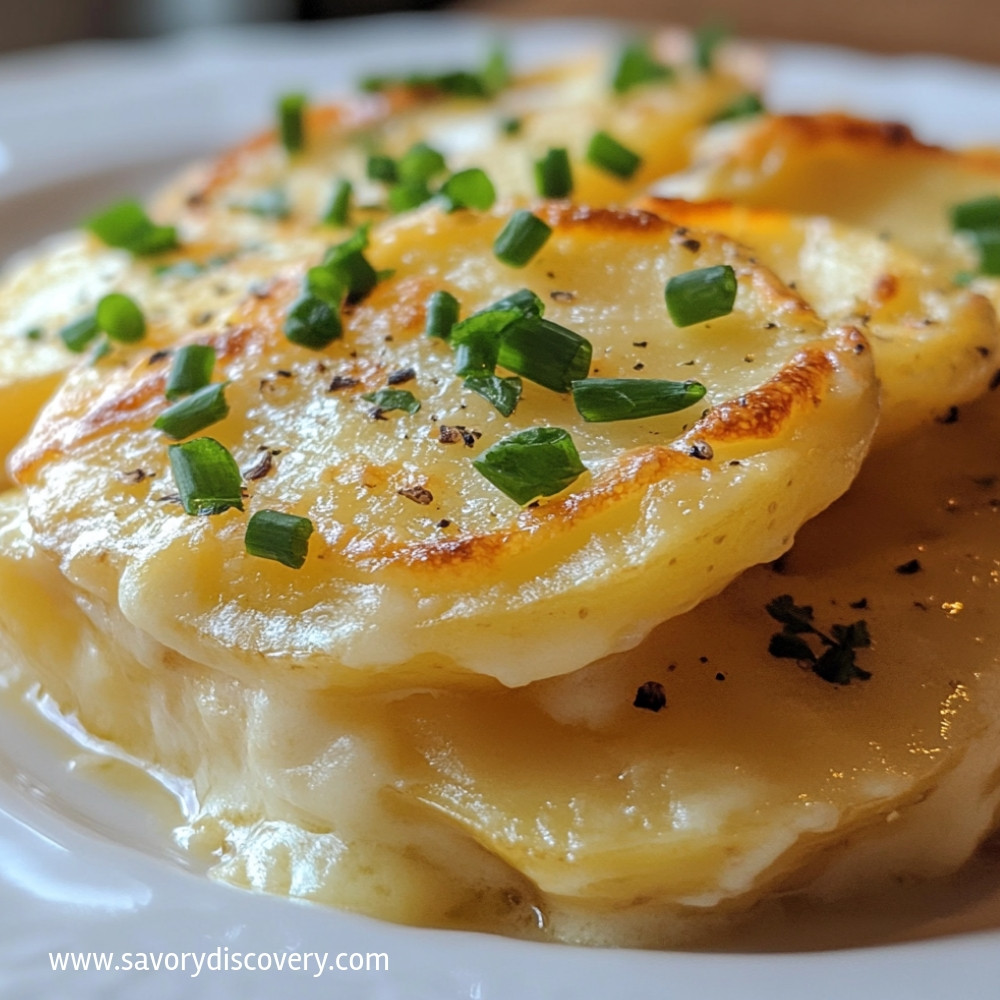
(968, 28)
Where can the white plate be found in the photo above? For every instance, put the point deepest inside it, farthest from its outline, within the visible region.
(82, 124)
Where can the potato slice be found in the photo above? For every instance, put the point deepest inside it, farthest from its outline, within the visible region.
(935, 344)
(419, 566)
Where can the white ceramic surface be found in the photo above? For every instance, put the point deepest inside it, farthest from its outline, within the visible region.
(86, 869)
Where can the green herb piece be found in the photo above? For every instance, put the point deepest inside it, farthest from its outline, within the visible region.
(127, 226)
(496, 70)
(744, 106)
(603, 399)
(533, 463)
(553, 175)
(470, 188)
(207, 476)
(977, 215)
(78, 334)
(282, 537)
(191, 370)
(270, 204)
(323, 284)
(339, 211)
(312, 322)
(458, 83)
(836, 663)
(442, 314)
(204, 407)
(524, 301)
(291, 122)
(503, 393)
(637, 65)
(419, 164)
(707, 40)
(608, 154)
(545, 352)
(381, 168)
(521, 238)
(386, 400)
(347, 262)
(120, 318)
(35, 333)
(403, 197)
(477, 344)
(511, 126)
(989, 251)
(701, 295)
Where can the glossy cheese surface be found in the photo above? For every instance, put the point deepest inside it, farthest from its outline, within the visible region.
(419, 566)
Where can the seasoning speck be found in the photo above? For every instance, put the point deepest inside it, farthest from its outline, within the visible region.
(418, 494)
(650, 696)
(909, 568)
(400, 376)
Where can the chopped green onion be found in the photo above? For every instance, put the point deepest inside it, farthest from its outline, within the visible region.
(207, 476)
(347, 261)
(553, 176)
(545, 352)
(607, 153)
(470, 188)
(419, 164)
(511, 126)
(204, 407)
(603, 399)
(324, 284)
(533, 463)
(637, 65)
(524, 301)
(442, 314)
(312, 322)
(77, 335)
(496, 71)
(744, 106)
(503, 393)
(340, 204)
(989, 251)
(291, 122)
(521, 238)
(381, 168)
(35, 333)
(127, 226)
(270, 204)
(459, 83)
(977, 215)
(120, 318)
(191, 370)
(393, 399)
(403, 197)
(282, 537)
(704, 294)
(707, 40)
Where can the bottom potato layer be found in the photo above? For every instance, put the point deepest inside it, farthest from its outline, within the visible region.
(562, 811)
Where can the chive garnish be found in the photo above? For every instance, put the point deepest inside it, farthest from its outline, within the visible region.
(980, 220)
(496, 70)
(521, 238)
(127, 226)
(511, 126)
(386, 400)
(347, 261)
(704, 294)
(284, 538)
(204, 407)
(989, 251)
(608, 154)
(744, 106)
(380, 167)
(312, 322)
(324, 284)
(524, 301)
(637, 65)
(77, 335)
(503, 393)
(291, 121)
(476, 342)
(459, 83)
(411, 194)
(340, 203)
(207, 476)
(533, 463)
(553, 175)
(707, 40)
(419, 164)
(470, 188)
(120, 318)
(603, 399)
(34, 333)
(544, 352)
(191, 370)
(442, 314)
